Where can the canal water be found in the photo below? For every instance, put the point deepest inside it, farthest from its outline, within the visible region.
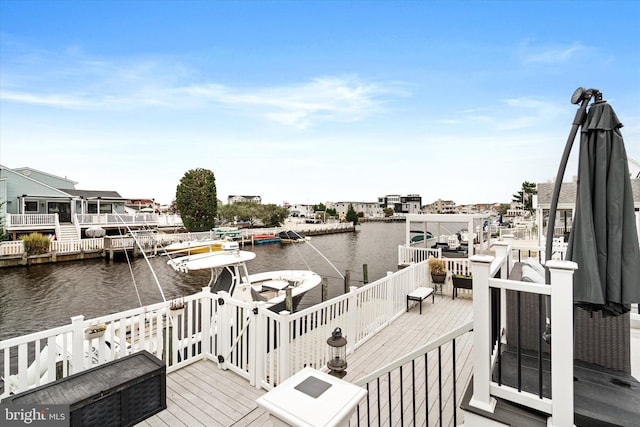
(44, 296)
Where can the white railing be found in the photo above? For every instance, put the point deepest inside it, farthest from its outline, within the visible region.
(174, 336)
(301, 337)
(126, 242)
(17, 220)
(409, 254)
(117, 219)
(71, 246)
(169, 220)
(58, 228)
(262, 346)
(520, 252)
(484, 267)
(12, 248)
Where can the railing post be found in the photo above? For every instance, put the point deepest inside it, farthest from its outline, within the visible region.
(351, 319)
(283, 347)
(480, 265)
(224, 329)
(205, 326)
(258, 356)
(503, 251)
(388, 297)
(252, 345)
(561, 273)
(77, 344)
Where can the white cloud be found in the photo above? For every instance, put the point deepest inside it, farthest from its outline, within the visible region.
(341, 99)
(74, 80)
(551, 55)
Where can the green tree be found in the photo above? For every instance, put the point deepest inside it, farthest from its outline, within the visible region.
(196, 200)
(327, 212)
(273, 215)
(388, 212)
(352, 216)
(320, 207)
(524, 196)
(269, 215)
(502, 208)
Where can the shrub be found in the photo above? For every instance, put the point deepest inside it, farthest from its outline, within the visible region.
(35, 244)
(437, 265)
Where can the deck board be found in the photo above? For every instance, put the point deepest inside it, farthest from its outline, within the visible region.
(203, 394)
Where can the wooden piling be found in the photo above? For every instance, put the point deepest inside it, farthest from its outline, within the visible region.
(288, 300)
(365, 273)
(347, 279)
(325, 289)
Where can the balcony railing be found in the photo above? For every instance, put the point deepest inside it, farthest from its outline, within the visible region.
(488, 345)
(15, 221)
(117, 219)
(421, 388)
(262, 346)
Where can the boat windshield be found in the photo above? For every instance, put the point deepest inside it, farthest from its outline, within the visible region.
(224, 281)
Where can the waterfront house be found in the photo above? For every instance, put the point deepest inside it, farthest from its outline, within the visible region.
(440, 206)
(37, 201)
(236, 198)
(401, 205)
(368, 209)
(566, 205)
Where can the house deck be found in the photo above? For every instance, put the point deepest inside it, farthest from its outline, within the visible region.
(203, 395)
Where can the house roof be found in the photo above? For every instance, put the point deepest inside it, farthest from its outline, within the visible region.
(568, 192)
(92, 194)
(26, 171)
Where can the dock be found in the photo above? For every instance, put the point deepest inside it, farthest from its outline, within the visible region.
(201, 394)
(148, 243)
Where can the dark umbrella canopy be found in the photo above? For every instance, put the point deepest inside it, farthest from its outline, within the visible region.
(603, 240)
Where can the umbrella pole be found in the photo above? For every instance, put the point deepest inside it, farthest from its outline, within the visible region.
(583, 96)
(578, 121)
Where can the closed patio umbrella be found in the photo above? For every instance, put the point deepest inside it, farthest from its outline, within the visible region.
(603, 239)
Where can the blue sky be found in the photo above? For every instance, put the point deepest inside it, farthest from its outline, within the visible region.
(309, 102)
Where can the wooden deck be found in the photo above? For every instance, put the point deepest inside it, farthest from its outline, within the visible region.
(203, 395)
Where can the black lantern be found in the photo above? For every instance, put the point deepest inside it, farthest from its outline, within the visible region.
(337, 363)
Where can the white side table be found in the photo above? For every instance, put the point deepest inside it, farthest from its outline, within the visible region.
(312, 398)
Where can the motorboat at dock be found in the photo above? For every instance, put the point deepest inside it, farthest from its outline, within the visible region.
(229, 273)
(200, 246)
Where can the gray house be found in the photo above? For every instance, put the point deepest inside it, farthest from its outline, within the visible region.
(36, 201)
(567, 202)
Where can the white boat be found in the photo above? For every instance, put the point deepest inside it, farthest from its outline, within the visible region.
(229, 273)
(200, 246)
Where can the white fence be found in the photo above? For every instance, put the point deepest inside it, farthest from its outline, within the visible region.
(11, 248)
(485, 351)
(31, 220)
(117, 219)
(69, 246)
(262, 346)
(170, 220)
(174, 336)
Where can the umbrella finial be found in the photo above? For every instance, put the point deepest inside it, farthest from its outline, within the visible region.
(582, 94)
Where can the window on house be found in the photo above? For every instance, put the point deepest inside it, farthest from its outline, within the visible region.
(31, 206)
(92, 208)
(106, 208)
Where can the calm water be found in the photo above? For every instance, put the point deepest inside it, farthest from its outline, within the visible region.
(45, 296)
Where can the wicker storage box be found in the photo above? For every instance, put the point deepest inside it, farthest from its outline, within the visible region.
(118, 393)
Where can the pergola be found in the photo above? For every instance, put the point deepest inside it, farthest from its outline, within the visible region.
(434, 223)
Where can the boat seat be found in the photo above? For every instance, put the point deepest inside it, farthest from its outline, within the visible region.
(255, 295)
